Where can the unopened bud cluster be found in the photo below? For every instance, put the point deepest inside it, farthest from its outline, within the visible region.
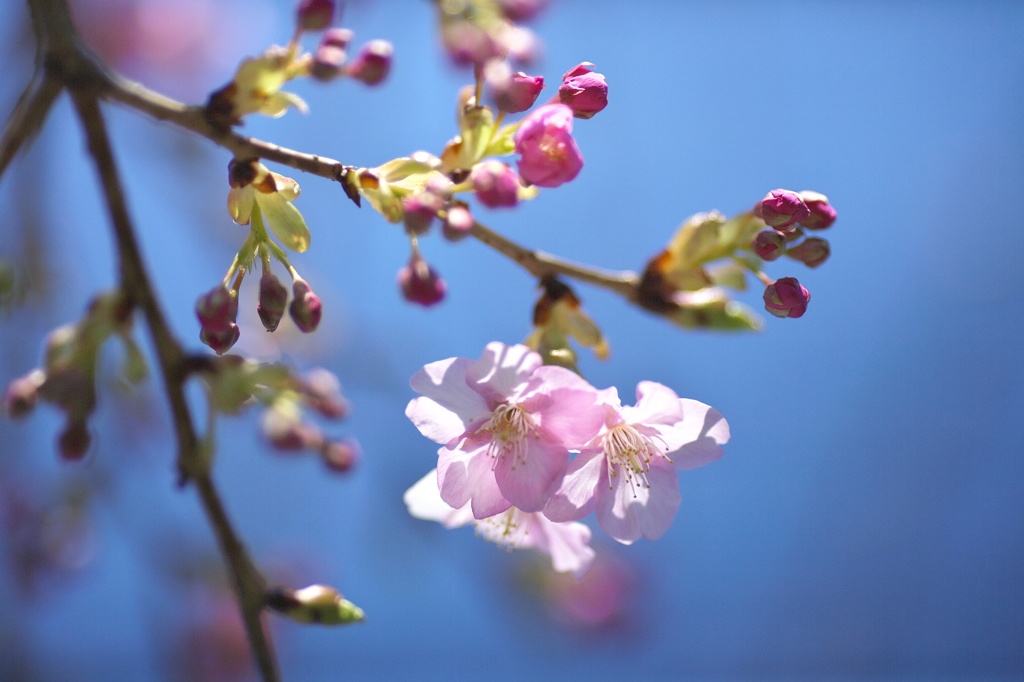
(67, 378)
(687, 281)
(256, 87)
(289, 400)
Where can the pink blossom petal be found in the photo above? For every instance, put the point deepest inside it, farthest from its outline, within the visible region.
(702, 433)
(487, 498)
(424, 501)
(530, 479)
(567, 543)
(655, 404)
(575, 498)
(628, 513)
(564, 406)
(502, 371)
(448, 405)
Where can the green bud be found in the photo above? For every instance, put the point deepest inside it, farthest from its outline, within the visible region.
(319, 604)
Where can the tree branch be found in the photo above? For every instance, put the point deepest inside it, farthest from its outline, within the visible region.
(248, 584)
(27, 117)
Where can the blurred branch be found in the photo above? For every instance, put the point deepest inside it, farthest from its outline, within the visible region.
(69, 65)
(540, 264)
(248, 584)
(27, 117)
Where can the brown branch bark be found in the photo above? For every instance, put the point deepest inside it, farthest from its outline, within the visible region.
(65, 63)
(248, 584)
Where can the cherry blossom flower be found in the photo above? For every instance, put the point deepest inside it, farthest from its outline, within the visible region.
(506, 422)
(550, 156)
(566, 543)
(628, 471)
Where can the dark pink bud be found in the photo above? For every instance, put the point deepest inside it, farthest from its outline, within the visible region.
(327, 61)
(786, 298)
(337, 37)
(521, 10)
(306, 308)
(373, 62)
(74, 441)
(273, 300)
(822, 214)
(812, 252)
(21, 395)
(419, 211)
(781, 209)
(769, 244)
(584, 91)
(70, 388)
(420, 283)
(550, 156)
(322, 391)
(341, 455)
(315, 15)
(495, 184)
(217, 308)
(220, 340)
(467, 43)
(295, 437)
(517, 92)
(458, 223)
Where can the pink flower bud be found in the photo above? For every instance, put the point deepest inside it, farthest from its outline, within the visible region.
(327, 61)
(786, 298)
(273, 300)
(517, 92)
(322, 391)
(21, 395)
(419, 211)
(469, 44)
(769, 244)
(495, 184)
(781, 209)
(521, 10)
(585, 91)
(74, 441)
(306, 308)
(420, 283)
(71, 388)
(337, 37)
(822, 214)
(812, 252)
(295, 437)
(217, 308)
(341, 455)
(373, 63)
(550, 156)
(315, 15)
(220, 340)
(458, 223)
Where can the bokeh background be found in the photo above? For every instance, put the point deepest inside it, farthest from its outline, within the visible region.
(866, 522)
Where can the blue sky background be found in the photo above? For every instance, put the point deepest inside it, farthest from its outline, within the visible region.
(866, 521)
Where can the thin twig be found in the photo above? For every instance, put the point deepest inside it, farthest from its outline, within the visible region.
(540, 264)
(135, 283)
(27, 117)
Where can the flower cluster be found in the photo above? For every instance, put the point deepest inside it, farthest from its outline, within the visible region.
(256, 87)
(686, 282)
(67, 378)
(235, 383)
(416, 189)
(508, 425)
(261, 199)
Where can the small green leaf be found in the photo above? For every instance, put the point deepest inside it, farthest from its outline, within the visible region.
(284, 220)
